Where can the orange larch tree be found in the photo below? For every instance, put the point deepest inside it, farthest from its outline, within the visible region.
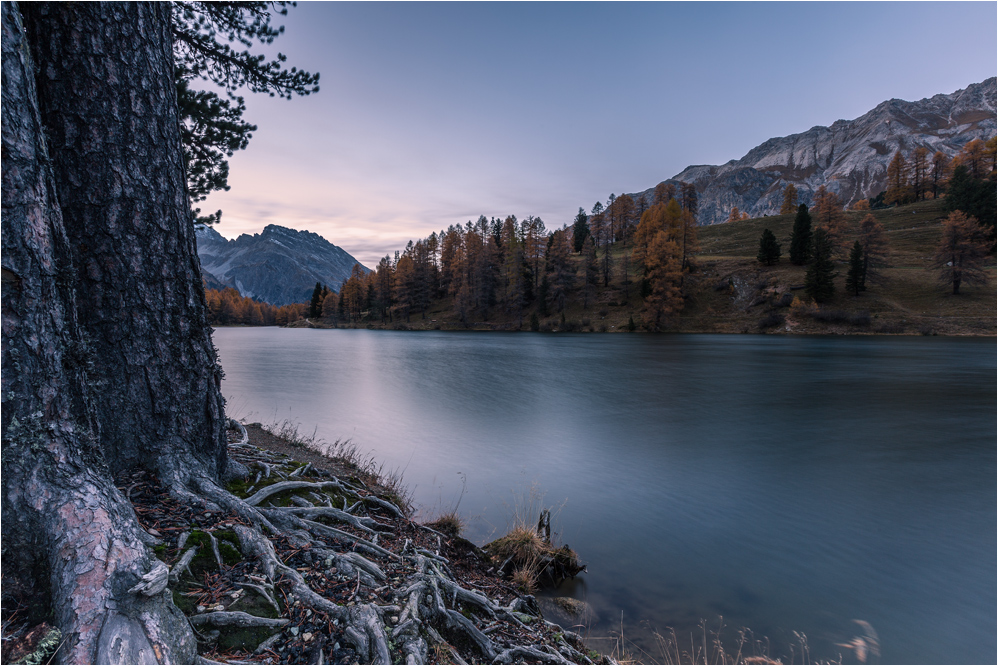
(898, 186)
(961, 252)
(790, 196)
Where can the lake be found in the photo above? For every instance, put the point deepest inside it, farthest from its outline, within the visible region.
(786, 484)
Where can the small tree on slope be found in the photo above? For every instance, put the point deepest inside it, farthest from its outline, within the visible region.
(769, 249)
(819, 280)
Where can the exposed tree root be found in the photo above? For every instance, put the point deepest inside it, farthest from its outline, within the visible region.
(235, 619)
(357, 583)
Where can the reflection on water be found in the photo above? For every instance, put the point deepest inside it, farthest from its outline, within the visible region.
(782, 483)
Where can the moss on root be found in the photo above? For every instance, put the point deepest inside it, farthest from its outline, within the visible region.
(244, 639)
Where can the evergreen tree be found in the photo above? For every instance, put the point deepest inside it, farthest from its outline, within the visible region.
(590, 272)
(580, 229)
(919, 171)
(607, 264)
(559, 267)
(688, 239)
(819, 280)
(769, 249)
(800, 237)
(611, 217)
(976, 198)
(597, 225)
(405, 289)
(876, 250)
(688, 192)
(961, 251)
(535, 239)
(315, 304)
(940, 172)
(856, 276)
(109, 371)
(542, 296)
(212, 128)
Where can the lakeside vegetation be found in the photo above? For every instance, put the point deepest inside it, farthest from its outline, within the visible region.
(639, 265)
(731, 291)
(227, 307)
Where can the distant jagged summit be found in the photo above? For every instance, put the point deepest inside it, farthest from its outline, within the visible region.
(850, 157)
(278, 265)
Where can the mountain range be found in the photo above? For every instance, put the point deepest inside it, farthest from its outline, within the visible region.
(850, 158)
(281, 265)
(278, 265)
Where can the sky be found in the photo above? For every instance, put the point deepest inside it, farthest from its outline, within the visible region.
(431, 114)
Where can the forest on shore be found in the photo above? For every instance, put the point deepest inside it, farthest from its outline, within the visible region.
(647, 265)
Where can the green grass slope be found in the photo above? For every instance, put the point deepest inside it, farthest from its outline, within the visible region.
(731, 292)
(908, 299)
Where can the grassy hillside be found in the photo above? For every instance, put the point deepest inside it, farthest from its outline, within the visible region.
(909, 299)
(731, 292)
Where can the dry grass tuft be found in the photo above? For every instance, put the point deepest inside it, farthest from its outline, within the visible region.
(373, 474)
(704, 647)
(528, 552)
(525, 576)
(449, 524)
(522, 544)
(290, 432)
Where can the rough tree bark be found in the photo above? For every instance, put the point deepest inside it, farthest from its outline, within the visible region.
(67, 529)
(108, 364)
(109, 107)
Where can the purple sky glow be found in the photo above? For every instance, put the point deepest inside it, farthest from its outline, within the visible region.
(433, 114)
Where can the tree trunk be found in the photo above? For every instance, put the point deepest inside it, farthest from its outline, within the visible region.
(67, 530)
(108, 105)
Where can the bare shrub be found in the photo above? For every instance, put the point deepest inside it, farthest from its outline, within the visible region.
(772, 320)
(347, 453)
(801, 309)
(448, 523)
(891, 328)
(525, 576)
(861, 318)
(831, 316)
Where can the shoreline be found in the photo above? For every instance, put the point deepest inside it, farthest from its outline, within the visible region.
(500, 328)
(389, 555)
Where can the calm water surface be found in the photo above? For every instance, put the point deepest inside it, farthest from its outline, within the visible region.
(786, 484)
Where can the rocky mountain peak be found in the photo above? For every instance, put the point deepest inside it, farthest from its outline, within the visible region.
(279, 265)
(850, 157)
